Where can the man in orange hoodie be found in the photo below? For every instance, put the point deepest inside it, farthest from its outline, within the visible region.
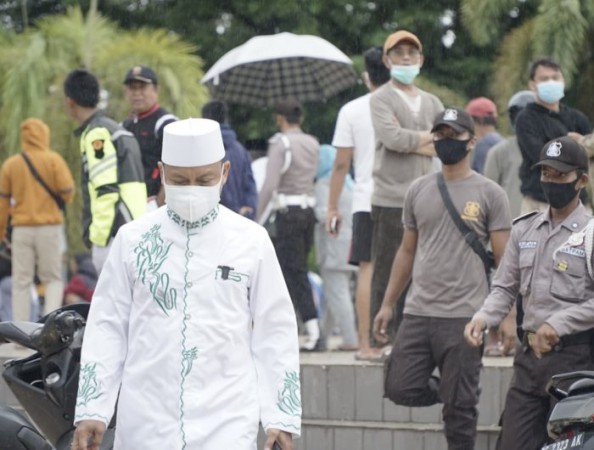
(37, 217)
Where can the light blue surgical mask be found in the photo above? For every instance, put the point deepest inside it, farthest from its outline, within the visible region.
(550, 91)
(405, 74)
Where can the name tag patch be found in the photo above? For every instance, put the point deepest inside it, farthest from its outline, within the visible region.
(524, 245)
(580, 252)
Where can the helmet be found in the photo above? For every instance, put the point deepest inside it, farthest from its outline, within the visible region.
(517, 103)
(520, 99)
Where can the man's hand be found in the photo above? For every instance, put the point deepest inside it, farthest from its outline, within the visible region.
(426, 150)
(545, 339)
(575, 136)
(507, 334)
(333, 220)
(283, 439)
(380, 324)
(474, 332)
(88, 435)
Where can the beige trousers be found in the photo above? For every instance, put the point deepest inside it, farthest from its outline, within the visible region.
(36, 247)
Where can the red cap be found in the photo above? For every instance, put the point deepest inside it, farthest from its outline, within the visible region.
(481, 107)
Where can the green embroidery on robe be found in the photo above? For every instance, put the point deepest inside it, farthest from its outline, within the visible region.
(151, 253)
(200, 223)
(88, 387)
(289, 396)
(188, 357)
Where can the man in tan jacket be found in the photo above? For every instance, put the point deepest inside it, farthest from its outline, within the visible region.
(36, 217)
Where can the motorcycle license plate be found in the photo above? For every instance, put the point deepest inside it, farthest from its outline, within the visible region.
(571, 443)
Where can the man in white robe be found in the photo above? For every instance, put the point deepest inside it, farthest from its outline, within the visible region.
(191, 320)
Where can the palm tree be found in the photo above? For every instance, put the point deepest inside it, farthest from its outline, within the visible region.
(561, 29)
(33, 66)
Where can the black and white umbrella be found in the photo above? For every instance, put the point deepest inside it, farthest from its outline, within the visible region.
(267, 69)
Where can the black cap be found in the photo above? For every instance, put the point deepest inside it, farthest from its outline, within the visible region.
(289, 108)
(563, 154)
(141, 73)
(455, 118)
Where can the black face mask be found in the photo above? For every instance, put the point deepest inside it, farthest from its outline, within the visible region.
(451, 151)
(559, 195)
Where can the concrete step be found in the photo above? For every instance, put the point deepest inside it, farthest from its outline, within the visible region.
(344, 408)
(336, 387)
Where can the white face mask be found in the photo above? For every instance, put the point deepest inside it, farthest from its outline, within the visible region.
(192, 203)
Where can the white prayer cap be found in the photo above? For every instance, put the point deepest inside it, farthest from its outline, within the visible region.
(192, 142)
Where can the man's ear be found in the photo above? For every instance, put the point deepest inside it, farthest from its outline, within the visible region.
(161, 167)
(584, 180)
(386, 61)
(471, 143)
(421, 60)
(226, 169)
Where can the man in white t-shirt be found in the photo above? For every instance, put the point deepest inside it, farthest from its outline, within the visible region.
(355, 140)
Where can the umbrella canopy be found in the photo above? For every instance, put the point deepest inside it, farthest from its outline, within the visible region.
(267, 69)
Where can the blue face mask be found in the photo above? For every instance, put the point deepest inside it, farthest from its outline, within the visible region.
(405, 74)
(550, 91)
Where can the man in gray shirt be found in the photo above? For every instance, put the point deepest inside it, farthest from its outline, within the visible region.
(546, 262)
(402, 115)
(448, 280)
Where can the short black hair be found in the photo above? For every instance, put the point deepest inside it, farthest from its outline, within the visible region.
(545, 62)
(215, 110)
(375, 67)
(291, 109)
(82, 87)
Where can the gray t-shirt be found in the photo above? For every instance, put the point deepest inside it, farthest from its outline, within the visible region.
(448, 278)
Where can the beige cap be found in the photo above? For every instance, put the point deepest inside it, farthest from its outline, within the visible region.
(399, 36)
(192, 143)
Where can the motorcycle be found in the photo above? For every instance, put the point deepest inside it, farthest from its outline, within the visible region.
(46, 382)
(571, 423)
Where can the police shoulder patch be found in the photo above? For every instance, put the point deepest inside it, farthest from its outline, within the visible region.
(525, 216)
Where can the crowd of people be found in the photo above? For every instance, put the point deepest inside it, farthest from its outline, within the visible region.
(413, 199)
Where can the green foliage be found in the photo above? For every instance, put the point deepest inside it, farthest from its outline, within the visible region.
(33, 66)
(566, 43)
(511, 73)
(561, 29)
(482, 18)
(172, 58)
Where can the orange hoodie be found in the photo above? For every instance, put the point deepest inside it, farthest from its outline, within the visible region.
(32, 205)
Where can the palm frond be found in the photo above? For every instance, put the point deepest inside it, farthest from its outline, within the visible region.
(448, 96)
(24, 87)
(588, 10)
(481, 18)
(559, 31)
(178, 67)
(511, 65)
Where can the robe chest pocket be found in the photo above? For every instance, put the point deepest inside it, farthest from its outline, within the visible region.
(569, 278)
(526, 267)
(231, 280)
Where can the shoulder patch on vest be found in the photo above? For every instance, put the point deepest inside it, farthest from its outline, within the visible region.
(98, 147)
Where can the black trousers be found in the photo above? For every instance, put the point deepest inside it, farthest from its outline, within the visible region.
(422, 344)
(528, 405)
(293, 241)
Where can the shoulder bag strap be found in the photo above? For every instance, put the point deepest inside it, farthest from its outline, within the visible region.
(288, 156)
(470, 236)
(59, 201)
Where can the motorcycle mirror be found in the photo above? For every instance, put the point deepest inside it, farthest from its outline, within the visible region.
(19, 333)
